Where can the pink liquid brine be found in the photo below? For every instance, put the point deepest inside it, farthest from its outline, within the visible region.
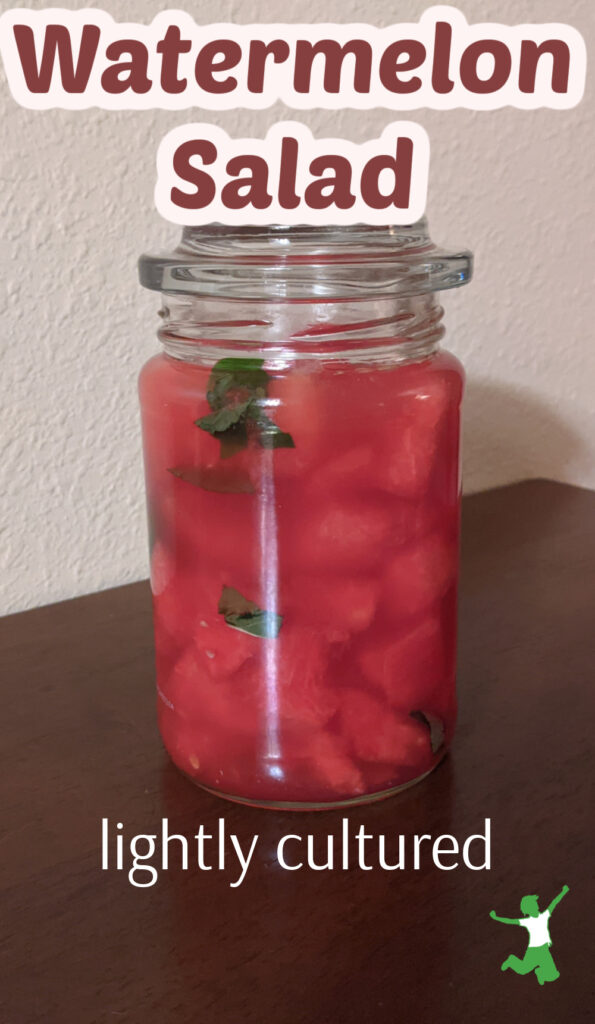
(304, 524)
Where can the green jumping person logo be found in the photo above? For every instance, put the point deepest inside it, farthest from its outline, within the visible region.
(538, 957)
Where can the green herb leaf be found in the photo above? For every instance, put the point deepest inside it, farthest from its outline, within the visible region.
(228, 426)
(221, 420)
(236, 375)
(232, 602)
(232, 441)
(267, 433)
(243, 614)
(235, 393)
(434, 724)
(275, 439)
(211, 478)
(262, 624)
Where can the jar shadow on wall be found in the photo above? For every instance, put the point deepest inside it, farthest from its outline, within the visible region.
(510, 541)
(510, 435)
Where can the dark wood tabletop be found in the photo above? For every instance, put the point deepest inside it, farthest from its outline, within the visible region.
(82, 945)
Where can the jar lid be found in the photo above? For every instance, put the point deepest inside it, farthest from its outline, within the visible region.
(305, 262)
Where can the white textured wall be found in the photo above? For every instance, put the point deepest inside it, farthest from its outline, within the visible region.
(76, 209)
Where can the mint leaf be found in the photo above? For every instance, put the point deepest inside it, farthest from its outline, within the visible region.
(266, 432)
(262, 624)
(241, 613)
(221, 420)
(211, 478)
(236, 375)
(232, 602)
(434, 724)
(275, 438)
(236, 392)
(232, 441)
(228, 426)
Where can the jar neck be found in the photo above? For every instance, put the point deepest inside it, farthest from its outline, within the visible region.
(206, 328)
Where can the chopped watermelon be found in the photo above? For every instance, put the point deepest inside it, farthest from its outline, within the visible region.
(322, 760)
(220, 648)
(408, 668)
(418, 576)
(333, 767)
(334, 534)
(348, 540)
(296, 677)
(407, 456)
(162, 568)
(331, 604)
(342, 474)
(234, 703)
(375, 733)
(296, 404)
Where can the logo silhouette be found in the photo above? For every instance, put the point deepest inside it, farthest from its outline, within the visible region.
(538, 957)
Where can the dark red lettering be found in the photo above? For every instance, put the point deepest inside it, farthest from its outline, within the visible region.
(530, 54)
(250, 190)
(56, 39)
(500, 72)
(391, 65)
(171, 46)
(135, 69)
(400, 166)
(288, 199)
(219, 55)
(317, 195)
(334, 54)
(204, 186)
(441, 81)
(278, 49)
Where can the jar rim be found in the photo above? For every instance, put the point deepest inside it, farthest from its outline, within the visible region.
(285, 262)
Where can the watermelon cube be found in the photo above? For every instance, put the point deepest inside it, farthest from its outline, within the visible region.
(331, 765)
(162, 567)
(406, 459)
(233, 704)
(221, 649)
(418, 576)
(221, 758)
(375, 733)
(300, 678)
(343, 473)
(296, 403)
(408, 668)
(174, 618)
(337, 535)
(336, 605)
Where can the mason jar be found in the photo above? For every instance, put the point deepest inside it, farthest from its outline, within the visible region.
(301, 444)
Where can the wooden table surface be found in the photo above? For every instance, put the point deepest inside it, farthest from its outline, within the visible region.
(80, 744)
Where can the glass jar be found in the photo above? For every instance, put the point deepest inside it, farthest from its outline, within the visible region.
(301, 440)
